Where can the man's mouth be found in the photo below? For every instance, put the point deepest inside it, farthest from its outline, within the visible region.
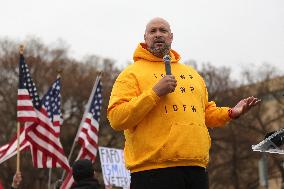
(159, 43)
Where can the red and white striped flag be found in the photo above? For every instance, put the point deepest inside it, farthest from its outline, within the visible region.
(27, 102)
(28, 99)
(41, 120)
(3, 149)
(47, 151)
(88, 131)
(9, 150)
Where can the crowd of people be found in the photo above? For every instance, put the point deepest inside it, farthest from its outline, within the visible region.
(83, 173)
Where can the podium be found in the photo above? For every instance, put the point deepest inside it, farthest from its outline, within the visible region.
(271, 144)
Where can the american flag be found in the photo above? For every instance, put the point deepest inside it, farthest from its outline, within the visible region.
(9, 150)
(28, 98)
(41, 120)
(88, 135)
(27, 102)
(88, 131)
(47, 151)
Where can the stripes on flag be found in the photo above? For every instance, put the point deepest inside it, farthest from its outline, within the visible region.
(9, 150)
(88, 133)
(88, 137)
(47, 151)
(41, 120)
(28, 99)
(3, 149)
(68, 182)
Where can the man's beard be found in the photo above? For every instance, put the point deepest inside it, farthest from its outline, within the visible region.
(160, 51)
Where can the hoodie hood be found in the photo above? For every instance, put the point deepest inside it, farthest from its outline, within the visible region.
(141, 52)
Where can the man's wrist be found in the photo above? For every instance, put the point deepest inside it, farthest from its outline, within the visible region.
(232, 115)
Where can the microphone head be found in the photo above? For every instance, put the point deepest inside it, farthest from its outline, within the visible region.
(167, 58)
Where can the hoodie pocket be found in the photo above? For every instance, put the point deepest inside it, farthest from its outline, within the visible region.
(186, 141)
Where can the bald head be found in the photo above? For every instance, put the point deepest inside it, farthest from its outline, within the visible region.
(160, 21)
(158, 37)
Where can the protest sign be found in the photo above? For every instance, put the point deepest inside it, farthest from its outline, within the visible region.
(113, 167)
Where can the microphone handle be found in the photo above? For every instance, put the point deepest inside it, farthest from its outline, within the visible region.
(168, 68)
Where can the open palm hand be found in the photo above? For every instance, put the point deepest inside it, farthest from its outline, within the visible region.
(244, 106)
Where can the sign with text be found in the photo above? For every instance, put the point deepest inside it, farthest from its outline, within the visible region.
(113, 167)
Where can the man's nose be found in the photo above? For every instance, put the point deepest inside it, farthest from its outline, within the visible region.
(158, 34)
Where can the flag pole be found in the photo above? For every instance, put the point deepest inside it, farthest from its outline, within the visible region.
(82, 121)
(21, 51)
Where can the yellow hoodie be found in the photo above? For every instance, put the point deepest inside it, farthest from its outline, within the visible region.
(163, 131)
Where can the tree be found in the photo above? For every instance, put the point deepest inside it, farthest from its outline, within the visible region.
(233, 164)
(78, 78)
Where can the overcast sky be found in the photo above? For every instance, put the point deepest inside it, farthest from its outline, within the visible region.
(232, 33)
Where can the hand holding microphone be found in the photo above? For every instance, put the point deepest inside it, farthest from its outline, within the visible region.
(168, 83)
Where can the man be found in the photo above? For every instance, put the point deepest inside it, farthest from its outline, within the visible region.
(165, 117)
(83, 174)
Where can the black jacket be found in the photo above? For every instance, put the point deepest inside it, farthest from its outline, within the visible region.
(90, 183)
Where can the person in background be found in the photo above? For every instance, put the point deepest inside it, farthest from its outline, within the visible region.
(165, 116)
(84, 175)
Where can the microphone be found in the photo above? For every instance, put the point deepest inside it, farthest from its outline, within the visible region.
(167, 61)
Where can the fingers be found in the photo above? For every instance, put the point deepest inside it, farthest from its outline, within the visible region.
(245, 105)
(170, 79)
(248, 103)
(166, 85)
(252, 101)
(17, 180)
(170, 83)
